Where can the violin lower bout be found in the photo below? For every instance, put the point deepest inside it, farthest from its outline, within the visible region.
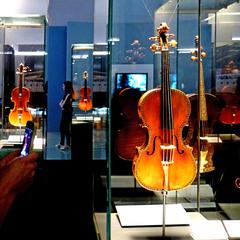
(148, 162)
(150, 174)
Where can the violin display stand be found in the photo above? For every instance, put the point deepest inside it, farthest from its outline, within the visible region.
(152, 215)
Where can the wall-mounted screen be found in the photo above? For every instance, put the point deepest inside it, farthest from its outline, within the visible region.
(132, 80)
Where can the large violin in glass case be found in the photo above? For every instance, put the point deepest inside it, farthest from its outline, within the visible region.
(164, 162)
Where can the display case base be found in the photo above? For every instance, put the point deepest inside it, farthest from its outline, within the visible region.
(199, 228)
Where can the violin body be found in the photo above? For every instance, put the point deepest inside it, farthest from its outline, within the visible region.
(85, 102)
(148, 163)
(206, 148)
(129, 132)
(20, 96)
(20, 114)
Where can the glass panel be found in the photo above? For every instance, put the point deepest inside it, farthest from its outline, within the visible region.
(205, 67)
(82, 62)
(227, 77)
(23, 83)
(2, 57)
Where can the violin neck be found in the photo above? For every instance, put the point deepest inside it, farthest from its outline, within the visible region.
(166, 97)
(85, 88)
(202, 98)
(20, 82)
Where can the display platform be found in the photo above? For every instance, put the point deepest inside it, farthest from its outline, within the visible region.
(233, 228)
(15, 141)
(200, 228)
(151, 215)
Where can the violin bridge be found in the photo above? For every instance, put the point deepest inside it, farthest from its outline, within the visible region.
(167, 154)
(167, 147)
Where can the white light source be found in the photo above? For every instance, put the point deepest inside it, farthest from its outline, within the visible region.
(80, 56)
(29, 53)
(186, 50)
(235, 38)
(100, 53)
(83, 46)
(114, 39)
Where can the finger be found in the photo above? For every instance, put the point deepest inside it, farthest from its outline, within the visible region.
(31, 158)
(32, 166)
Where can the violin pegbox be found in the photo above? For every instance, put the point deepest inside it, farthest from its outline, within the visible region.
(85, 75)
(162, 39)
(22, 69)
(195, 51)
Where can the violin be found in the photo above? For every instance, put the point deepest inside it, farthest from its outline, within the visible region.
(129, 132)
(208, 106)
(164, 163)
(85, 103)
(20, 96)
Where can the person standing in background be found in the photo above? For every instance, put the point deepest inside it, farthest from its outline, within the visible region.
(66, 118)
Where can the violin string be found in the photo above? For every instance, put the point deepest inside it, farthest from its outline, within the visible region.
(203, 114)
(170, 100)
(169, 105)
(162, 117)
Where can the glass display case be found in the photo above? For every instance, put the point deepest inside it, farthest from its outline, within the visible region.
(173, 145)
(88, 75)
(162, 97)
(22, 85)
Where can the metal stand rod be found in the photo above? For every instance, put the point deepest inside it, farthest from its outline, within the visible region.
(164, 192)
(164, 213)
(20, 126)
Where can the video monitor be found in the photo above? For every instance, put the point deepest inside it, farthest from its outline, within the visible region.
(132, 80)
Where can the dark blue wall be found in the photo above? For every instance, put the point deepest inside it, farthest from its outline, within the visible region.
(56, 72)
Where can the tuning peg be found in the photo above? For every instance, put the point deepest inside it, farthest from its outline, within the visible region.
(203, 54)
(193, 51)
(154, 47)
(173, 43)
(153, 38)
(194, 58)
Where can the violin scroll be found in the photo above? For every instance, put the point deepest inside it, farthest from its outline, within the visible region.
(195, 51)
(162, 39)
